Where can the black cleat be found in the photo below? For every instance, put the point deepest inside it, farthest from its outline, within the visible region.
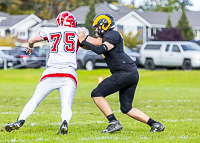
(112, 127)
(14, 126)
(64, 128)
(157, 127)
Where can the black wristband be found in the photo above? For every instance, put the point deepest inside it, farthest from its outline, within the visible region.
(86, 37)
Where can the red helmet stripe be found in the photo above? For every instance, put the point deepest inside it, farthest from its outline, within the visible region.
(63, 16)
(66, 19)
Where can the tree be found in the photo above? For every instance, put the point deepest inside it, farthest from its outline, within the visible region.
(45, 9)
(165, 5)
(90, 16)
(8, 41)
(185, 28)
(131, 40)
(168, 34)
(169, 22)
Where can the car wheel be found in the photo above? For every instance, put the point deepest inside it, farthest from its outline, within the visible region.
(89, 65)
(187, 65)
(149, 65)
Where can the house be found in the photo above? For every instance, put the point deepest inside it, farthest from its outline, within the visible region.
(127, 19)
(18, 25)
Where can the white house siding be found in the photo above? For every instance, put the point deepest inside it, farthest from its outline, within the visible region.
(2, 32)
(34, 32)
(24, 28)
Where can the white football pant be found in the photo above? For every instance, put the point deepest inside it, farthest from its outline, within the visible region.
(64, 80)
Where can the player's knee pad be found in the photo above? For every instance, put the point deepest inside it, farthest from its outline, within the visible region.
(94, 93)
(125, 110)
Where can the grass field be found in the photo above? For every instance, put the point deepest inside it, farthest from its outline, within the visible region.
(171, 97)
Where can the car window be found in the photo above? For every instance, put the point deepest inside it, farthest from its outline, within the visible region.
(175, 48)
(167, 48)
(193, 47)
(152, 47)
(2, 53)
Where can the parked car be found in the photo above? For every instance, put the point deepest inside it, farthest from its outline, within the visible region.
(90, 60)
(11, 60)
(24, 59)
(44, 54)
(5, 49)
(135, 56)
(181, 54)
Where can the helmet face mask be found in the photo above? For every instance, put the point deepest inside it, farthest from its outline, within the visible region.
(67, 19)
(105, 21)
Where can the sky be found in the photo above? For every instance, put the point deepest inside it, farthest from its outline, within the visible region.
(195, 7)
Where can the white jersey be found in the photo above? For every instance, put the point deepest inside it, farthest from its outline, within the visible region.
(64, 45)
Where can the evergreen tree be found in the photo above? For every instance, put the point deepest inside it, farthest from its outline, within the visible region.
(90, 16)
(169, 22)
(185, 28)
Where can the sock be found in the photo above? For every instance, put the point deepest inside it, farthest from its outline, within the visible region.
(111, 117)
(150, 122)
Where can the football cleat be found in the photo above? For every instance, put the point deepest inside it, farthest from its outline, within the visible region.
(157, 127)
(14, 126)
(112, 127)
(64, 128)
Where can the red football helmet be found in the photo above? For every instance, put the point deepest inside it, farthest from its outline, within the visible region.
(66, 18)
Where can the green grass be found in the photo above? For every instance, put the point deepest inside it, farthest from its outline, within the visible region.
(171, 97)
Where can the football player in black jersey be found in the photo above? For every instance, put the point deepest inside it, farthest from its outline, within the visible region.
(124, 76)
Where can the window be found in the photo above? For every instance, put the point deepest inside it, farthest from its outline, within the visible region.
(21, 33)
(152, 47)
(175, 48)
(167, 48)
(119, 27)
(192, 47)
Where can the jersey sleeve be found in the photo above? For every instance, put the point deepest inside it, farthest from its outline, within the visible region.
(43, 34)
(87, 31)
(111, 37)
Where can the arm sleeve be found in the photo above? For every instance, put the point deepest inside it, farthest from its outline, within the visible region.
(97, 49)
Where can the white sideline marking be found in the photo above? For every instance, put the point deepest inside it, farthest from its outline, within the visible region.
(144, 138)
(182, 120)
(167, 101)
(148, 106)
(105, 137)
(24, 140)
(33, 124)
(183, 100)
(9, 112)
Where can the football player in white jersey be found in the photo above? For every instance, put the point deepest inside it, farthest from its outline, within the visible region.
(61, 68)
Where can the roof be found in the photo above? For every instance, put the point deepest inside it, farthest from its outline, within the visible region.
(11, 19)
(156, 19)
(116, 11)
(160, 18)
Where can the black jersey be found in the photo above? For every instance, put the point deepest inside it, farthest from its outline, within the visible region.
(116, 58)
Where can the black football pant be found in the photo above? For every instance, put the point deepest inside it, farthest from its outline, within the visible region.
(124, 82)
